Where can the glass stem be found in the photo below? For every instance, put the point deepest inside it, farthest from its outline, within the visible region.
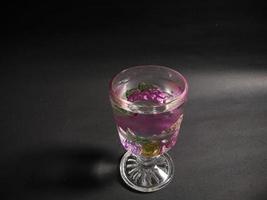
(146, 161)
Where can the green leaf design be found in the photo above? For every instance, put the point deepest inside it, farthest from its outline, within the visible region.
(130, 92)
(133, 137)
(145, 86)
(141, 140)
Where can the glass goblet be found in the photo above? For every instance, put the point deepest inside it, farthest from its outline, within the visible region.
(148, 103)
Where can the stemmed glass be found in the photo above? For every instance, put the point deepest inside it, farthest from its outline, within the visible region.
(148, 103)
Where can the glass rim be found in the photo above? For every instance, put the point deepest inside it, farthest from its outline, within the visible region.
(175, 101)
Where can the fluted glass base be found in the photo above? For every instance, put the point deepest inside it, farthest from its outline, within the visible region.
(146, 174)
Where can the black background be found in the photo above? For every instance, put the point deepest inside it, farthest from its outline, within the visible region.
(57, 135)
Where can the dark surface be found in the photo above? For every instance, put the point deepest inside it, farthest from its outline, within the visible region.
(57, 135)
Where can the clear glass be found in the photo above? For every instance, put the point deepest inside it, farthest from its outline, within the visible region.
(148, 103)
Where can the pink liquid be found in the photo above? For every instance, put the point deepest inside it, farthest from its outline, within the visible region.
(148, 134)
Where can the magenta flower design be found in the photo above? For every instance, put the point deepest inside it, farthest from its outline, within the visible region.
(147, 92)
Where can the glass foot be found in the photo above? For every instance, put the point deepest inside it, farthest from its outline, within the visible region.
(146, 174)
